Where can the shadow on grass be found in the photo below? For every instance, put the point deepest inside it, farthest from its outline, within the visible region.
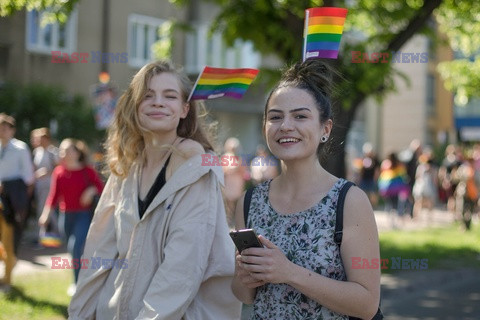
(17, 295)
(436, 248)
(431, 255)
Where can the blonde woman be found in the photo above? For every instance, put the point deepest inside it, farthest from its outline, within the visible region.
(161, 217)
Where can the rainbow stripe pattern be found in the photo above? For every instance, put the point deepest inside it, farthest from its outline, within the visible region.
(323, 32)
(222, 82)
(51, 240)
(392, 182)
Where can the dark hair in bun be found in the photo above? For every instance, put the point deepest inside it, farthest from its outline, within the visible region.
(314, 76)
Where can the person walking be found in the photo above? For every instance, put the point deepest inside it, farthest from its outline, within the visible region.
(74, 185)
(45, 159)
(16, 185)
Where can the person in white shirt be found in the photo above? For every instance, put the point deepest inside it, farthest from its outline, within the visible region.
(16, 182)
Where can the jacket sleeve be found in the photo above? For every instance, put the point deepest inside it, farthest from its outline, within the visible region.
(186, 252)
(101, 242)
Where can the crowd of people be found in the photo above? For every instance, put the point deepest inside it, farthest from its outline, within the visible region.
(416, 180)
(56, 184)
(167, 217)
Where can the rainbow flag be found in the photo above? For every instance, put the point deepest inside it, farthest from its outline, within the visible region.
(51, 240)
(323, 31)
(219, 82)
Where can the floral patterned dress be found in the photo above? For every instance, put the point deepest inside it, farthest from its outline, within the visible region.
(306, 238)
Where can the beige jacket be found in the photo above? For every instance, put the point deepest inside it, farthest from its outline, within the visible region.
(177, 262)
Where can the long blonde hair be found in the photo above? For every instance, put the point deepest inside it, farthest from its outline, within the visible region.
(126, 137)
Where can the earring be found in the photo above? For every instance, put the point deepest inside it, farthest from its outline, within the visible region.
(324, 139)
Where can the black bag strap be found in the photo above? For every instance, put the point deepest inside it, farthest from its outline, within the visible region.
(339, 232)
(338, 235)
(246, 203)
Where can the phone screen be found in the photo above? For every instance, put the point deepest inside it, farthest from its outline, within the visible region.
(245, 238)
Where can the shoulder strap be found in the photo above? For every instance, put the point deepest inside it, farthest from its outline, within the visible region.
(246, 203)
(339, 219)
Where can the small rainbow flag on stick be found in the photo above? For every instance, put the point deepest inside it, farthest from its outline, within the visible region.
(323, 31)
(219, 82)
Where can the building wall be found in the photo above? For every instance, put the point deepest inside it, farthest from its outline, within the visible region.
(25, 67)
(404, 112)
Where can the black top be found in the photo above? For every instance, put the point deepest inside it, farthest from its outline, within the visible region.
(156, 187)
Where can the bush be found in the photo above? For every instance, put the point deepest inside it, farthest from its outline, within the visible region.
(37, 105)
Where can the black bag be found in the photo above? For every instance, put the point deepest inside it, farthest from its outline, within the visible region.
(338, 224)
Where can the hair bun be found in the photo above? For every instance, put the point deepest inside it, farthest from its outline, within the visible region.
(314, 73)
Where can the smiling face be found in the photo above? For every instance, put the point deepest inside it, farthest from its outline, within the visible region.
(162, 106)
(293, 127)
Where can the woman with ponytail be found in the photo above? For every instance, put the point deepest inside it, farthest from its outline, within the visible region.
(302, 272)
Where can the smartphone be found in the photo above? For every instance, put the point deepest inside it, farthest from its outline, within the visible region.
(245, 238)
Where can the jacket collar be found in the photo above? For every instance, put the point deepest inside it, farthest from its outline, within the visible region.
(188, 173)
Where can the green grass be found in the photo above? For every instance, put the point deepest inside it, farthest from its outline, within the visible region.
(40, 295)
(445, 248)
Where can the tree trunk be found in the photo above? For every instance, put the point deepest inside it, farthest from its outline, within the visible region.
(334, 161)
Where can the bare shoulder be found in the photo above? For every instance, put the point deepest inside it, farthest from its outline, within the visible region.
(184, 151)
(190, 148)
(359, 223)
(357, 207)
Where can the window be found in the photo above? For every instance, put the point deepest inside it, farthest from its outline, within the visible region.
(45, 38)
(202, 50)
(143, 32)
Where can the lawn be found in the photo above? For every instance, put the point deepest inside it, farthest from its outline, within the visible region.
(443, 248)
(40, 295)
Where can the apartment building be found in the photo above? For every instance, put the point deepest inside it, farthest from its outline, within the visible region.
(419, 109)
(116, 37)
(125, 31)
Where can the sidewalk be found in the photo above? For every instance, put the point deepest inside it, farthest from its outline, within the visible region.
(31, 260)
(435, 218)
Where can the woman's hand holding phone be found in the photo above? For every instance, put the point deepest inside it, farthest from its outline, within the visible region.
(244, 275)
(244, 239)
(268, 264)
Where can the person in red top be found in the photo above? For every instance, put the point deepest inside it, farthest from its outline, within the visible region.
(73, 186)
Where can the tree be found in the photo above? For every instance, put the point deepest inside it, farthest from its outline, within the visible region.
(276, 27)
(35, 105)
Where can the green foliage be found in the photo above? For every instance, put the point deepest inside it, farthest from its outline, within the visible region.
(276, 27)
(37, 105)
(460, 21)
(59, 9)
(463, 77)
(162, 49)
